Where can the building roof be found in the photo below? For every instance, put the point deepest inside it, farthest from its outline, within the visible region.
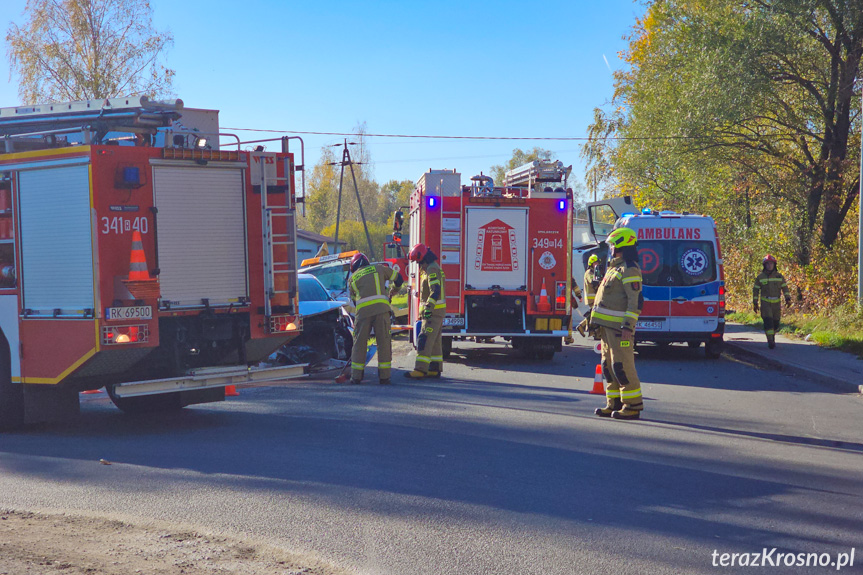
(318, 238)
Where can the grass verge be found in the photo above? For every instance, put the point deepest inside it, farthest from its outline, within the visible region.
(840, 328)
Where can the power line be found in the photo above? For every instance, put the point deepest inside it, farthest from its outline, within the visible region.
(440, 137)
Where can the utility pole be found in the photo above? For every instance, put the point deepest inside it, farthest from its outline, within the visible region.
(346, 161)
(860, 224)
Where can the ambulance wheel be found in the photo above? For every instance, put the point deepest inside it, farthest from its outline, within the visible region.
(693, 344)
(713, 348)
(145, 403)
(446, 344)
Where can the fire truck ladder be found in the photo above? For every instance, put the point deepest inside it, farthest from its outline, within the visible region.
(286, 212)
(525, 176)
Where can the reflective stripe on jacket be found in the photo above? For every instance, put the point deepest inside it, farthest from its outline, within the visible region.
(619, 299)
(433, 289)
(368, 289)
(768, 287)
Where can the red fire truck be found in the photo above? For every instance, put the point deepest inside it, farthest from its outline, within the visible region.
(138, 257)
(506, 253)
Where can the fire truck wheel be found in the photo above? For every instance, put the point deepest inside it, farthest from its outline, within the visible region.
(11, 394)
(446, 344)
(145, 403)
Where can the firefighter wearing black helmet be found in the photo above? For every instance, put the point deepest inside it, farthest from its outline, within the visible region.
(615, 311)
(372, 303)
(429, 362)
(765, 293)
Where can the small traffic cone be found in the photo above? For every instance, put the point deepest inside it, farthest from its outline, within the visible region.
(231, 391)
(598, 388)
(89, 391)
(543, 304)
(138, 261)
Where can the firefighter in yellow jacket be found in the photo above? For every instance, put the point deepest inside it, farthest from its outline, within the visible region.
(615, 311)
(592, 278)
(765, 292)
(429, 361)
(372, 304)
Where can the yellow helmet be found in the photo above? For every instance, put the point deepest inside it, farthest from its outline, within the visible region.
(592, 260)
(621, 238)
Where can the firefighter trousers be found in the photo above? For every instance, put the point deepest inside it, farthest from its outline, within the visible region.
(771, 312)
(362, 329)
(430, 345)
(618, 366)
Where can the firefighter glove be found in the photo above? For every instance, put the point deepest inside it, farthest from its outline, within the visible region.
(582, 328)
(427, 313)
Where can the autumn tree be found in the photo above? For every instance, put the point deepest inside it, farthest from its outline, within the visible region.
(747, 105)
(88, 49)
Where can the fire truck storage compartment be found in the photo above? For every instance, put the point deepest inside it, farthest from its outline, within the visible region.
(201, 227)
(496, 249)
(495, 313)
(56, 241)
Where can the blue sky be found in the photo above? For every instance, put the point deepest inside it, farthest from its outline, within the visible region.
(468, 68)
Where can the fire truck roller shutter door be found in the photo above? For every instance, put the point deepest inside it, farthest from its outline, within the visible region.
(197, 258)
(56, 239)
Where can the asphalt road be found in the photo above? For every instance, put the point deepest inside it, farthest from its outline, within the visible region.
(501, 467)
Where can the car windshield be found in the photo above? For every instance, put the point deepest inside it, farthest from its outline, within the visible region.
(334, 276)
(676, 263)
(312, 290)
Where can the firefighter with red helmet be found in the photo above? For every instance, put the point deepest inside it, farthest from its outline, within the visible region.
(615, 311)
(765, 294)
(367, 287)
(429, 362)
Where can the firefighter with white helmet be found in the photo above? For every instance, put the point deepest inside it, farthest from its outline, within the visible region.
(368, 290)
(429, 362)
(615, 311)
(765, 292)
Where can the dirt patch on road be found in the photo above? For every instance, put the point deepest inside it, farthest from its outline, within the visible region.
(36, 544)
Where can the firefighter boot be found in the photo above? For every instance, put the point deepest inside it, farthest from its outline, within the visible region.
(610, 406)
(385, 381)
(415, 374)
(771, 341)
(435, 370)
(582, 328)
(626, 413)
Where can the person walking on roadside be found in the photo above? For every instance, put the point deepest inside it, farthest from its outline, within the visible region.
(367, 288)
(616, 308)
(429, 362)
(765, 294)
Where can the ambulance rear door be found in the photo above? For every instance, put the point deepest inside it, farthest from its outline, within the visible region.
(603, 214)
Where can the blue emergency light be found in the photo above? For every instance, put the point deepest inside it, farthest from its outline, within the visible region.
(561, 205)
(431, 201)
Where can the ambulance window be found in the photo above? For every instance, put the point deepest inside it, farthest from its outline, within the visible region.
(603, 218)
(677, 263)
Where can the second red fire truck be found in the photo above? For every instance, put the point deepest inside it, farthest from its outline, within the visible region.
(139, 257)
(505, 250)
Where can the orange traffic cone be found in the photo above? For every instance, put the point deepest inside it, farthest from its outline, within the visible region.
(89, 391)
(138, 261)
(543, 303)
(598, 388)
(231, 391)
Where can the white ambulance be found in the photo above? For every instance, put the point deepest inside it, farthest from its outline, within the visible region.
(681, 263)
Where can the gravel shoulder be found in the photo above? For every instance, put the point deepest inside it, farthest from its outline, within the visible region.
(35, 543)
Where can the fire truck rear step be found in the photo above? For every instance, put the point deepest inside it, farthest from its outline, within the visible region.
(210, 377)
